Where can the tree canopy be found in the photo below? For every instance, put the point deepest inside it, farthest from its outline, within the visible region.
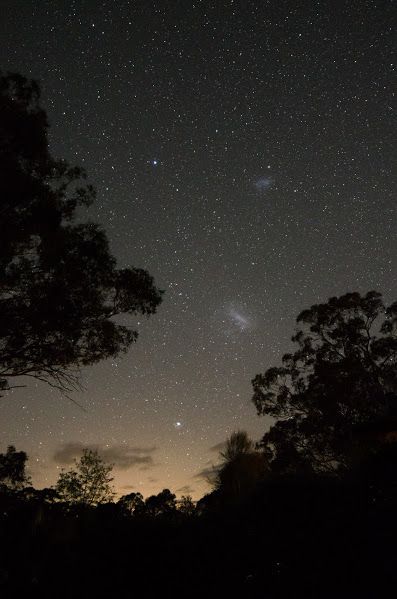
(60, 288)
(132, 503)
(240, 469)
(341, 378)
(89, 483)
(13, 469)
(164, 503)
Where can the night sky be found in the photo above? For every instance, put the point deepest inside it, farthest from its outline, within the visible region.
(242, 153)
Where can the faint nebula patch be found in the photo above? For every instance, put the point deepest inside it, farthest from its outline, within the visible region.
(234, 319)
(239, 320)
(263, 184)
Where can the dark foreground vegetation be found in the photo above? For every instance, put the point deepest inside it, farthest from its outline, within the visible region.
(293, 537)
(309, 511)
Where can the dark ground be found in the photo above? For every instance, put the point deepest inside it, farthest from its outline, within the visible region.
(292, 539)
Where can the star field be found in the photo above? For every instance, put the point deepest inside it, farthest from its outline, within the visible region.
(243, 153)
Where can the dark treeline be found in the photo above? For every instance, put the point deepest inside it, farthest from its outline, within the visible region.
(289, 536)
(308, 511)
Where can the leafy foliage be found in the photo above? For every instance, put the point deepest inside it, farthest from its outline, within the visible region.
(59, 286)
(164, 503)
(343, 375)
(131, 504)
(13, 469)
(186, 505)
(236, 445)
(88, 483)
(241, 467)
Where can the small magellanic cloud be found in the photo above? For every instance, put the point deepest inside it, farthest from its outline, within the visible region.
(262, 184)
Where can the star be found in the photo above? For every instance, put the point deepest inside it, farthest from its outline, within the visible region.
(240, 240)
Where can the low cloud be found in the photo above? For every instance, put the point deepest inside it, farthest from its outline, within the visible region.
(218, 447)
(208, 473)
(146, 466)
(185, 490)
(122, 456)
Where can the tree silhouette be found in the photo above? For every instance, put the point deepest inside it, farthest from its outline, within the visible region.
(88, 483)
(241, 467)
(59, 286)
(236, 445)
(13, 469)
(342, 376)
(164, 503)
(131, 504)
(186, 505)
